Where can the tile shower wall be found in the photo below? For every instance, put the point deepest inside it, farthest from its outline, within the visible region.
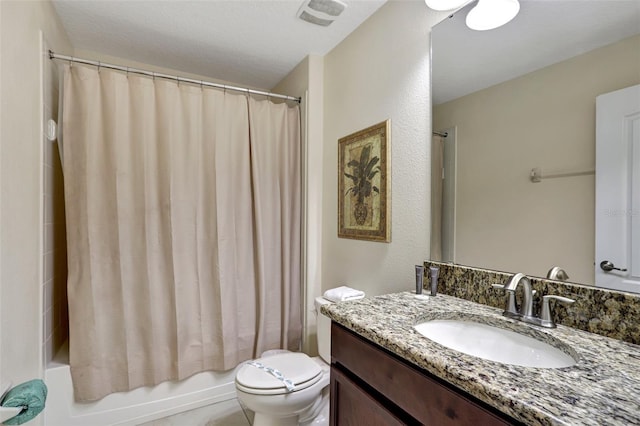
(54, 250)
(596, 310)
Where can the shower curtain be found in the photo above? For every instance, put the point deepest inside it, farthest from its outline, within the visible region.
(437, 163)
(183, 223)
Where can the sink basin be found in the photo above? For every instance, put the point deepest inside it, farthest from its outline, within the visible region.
(494, 343)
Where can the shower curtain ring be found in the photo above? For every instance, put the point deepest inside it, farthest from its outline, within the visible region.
(99, 64)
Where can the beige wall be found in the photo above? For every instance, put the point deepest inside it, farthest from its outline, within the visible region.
(381, 71)
(22, 183)
(544, 119)
(306, 81)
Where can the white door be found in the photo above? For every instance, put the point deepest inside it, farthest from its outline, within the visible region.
(617, 263)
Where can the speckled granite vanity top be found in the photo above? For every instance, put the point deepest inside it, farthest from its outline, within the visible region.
(603, 388)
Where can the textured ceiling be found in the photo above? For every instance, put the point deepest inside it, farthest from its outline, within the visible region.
(250, 42)
(543, 33)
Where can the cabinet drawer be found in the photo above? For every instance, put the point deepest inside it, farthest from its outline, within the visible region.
(421, 396)
(353, 406)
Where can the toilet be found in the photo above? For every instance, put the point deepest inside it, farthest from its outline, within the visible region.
(261, 384)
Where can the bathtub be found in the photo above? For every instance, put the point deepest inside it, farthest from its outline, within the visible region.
(134, 407)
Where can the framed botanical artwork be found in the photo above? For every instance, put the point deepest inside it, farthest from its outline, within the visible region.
(364, 186)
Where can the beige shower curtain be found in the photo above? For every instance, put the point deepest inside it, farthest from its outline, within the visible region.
(437, 163)
(183, 222)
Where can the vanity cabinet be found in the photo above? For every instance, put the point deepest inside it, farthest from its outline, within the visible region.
(371, 386)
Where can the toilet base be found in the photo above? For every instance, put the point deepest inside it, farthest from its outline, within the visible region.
(321, 417)
(264, 420)
(318, 414)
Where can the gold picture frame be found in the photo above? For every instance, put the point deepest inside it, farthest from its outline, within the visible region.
(364, 190)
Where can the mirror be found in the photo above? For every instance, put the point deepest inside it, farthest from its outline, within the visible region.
(521, 97)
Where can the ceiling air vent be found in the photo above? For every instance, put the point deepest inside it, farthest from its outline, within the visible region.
(321, 12)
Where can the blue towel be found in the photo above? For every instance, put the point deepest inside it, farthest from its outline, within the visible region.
(30, 396)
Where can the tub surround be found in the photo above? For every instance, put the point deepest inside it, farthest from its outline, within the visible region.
(606, 312)
(601, 389)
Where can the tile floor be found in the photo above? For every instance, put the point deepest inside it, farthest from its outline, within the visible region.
(227, 413)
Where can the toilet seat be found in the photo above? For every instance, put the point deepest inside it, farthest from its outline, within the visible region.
(295, 366)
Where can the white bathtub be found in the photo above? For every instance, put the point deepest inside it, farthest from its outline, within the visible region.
(134, 407)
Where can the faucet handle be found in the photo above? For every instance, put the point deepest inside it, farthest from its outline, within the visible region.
(510, 309)
(545, 315)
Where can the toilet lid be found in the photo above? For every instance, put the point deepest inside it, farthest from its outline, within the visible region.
(301, 370)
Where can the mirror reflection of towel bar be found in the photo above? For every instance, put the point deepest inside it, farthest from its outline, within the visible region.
(536, 174)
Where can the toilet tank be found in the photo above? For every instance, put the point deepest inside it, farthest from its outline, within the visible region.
(324, 331)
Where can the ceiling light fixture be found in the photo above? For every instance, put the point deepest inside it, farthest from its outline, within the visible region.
(445, 4)
(485, 15)
(490, 14)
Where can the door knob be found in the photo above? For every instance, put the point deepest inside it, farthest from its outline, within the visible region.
(607, 266)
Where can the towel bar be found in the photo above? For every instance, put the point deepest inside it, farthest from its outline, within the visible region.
(536, 174)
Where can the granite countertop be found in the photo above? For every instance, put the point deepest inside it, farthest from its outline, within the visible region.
(603, 388)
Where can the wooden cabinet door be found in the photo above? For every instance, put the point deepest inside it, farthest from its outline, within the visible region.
(424, 399)
(352, 406)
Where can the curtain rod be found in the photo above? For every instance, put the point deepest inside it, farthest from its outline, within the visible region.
(99, 64)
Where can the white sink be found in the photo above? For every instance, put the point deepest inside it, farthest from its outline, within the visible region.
(494, 343)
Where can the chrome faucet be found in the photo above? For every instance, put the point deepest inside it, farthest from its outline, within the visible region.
(525, 313)
(526, 310)
(558, 274)
(511, 310)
